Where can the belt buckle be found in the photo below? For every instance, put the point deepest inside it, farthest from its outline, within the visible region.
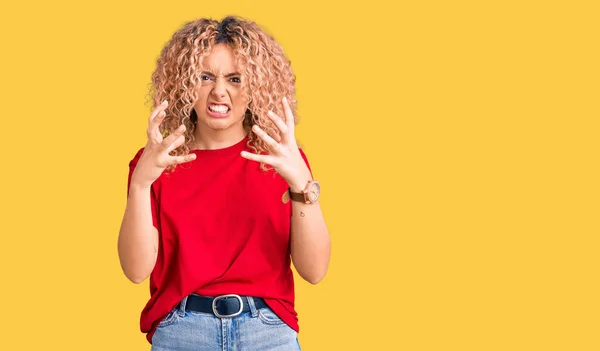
(214, 306)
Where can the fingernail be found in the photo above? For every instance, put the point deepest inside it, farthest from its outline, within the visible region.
(164, 102)
(285, 99)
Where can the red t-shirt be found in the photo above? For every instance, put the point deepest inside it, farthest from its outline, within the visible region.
(223, 229)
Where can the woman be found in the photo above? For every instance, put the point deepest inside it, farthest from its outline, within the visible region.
(221, 200)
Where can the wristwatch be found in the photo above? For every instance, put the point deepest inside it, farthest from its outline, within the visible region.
(309, 195)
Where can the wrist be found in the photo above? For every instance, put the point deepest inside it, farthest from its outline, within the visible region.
(137, 185)
(308, 195)
(299, 184)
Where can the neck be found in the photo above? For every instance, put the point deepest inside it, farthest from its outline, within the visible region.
(210, 139)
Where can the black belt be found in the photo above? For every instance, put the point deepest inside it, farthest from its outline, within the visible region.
(223, 306)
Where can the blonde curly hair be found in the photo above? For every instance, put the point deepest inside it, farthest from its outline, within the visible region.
(267, 73)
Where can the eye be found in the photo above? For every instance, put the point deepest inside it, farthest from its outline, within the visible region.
(205, 77)
(235, 80)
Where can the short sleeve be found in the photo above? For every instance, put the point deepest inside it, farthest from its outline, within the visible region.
(153, 197)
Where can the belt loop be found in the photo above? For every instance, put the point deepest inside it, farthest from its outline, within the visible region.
(182, 306)
(253, 309)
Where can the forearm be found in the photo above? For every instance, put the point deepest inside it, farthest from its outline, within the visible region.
(138, 238)
(310, 242)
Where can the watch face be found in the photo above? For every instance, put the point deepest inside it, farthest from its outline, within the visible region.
(314, 191)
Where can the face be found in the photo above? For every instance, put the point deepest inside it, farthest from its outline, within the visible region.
(220, 105)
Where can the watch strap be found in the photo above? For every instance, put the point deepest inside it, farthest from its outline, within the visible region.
(299, 197)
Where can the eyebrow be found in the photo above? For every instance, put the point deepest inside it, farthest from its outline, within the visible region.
(226, 75)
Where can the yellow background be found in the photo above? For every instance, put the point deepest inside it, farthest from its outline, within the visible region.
(456, 143)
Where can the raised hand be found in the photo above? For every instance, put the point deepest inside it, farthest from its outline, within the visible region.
(155, 158)
(284, 155)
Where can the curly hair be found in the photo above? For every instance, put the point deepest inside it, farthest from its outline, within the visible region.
(267, 72)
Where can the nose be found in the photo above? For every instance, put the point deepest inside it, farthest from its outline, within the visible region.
(219, 88)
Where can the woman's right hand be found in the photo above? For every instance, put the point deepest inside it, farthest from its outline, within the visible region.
(155, 158)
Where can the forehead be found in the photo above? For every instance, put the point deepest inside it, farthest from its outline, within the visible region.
(221, 59)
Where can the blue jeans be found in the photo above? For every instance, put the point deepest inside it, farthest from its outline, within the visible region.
(258, 329)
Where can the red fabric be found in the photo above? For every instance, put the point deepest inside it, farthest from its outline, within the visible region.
(223, 229)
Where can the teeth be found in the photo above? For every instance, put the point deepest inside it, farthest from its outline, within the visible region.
(218, 108)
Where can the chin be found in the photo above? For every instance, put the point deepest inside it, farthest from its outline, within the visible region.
(220, 124)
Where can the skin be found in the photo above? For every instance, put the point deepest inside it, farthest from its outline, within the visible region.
(221, 83)
(138, 238)
(310, 242)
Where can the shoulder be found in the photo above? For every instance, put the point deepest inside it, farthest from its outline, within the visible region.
(136, 157)
(302, 152)
(305, 158)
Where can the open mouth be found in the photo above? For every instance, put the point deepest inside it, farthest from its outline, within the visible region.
(218, 108)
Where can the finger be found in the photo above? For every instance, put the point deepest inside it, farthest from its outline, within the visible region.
(268, 159)
(177, 143)
(289, 116)
(155, 119)
(283, 128)
(153, 130)
(173, 136)
(271, 143)
(158, 108)
(177, 160)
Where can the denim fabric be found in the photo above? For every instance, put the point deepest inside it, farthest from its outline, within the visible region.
(258, 329)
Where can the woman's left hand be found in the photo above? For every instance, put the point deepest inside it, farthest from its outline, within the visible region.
(284, 155)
